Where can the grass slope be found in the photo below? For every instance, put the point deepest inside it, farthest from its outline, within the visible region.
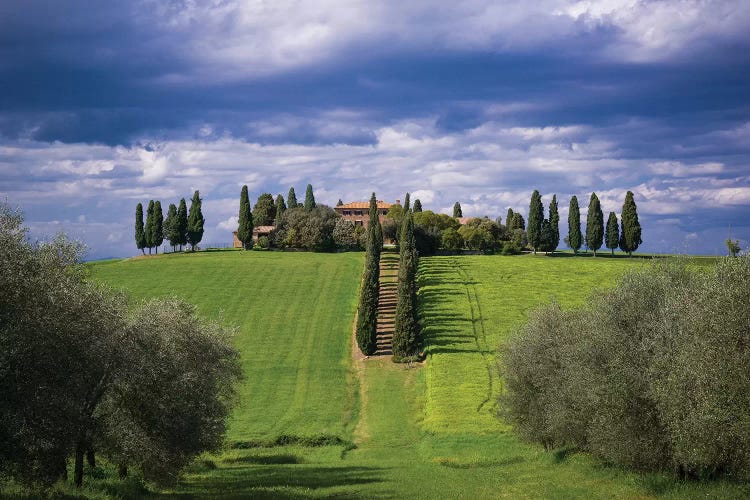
(426, 432)
(292, 310)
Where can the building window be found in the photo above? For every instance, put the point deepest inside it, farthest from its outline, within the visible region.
(385, 212)
(347, 212)
(358, 223)
(358, 212)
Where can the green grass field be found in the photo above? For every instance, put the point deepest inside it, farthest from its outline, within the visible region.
(422, 432)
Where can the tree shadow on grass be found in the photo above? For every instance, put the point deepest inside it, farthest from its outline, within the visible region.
(276, 480)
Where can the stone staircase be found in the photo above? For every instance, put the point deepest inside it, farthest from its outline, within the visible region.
(388, 297)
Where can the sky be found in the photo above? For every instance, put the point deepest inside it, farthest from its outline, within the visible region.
(107, 104)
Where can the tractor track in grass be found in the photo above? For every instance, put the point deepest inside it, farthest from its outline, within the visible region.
(480, 334)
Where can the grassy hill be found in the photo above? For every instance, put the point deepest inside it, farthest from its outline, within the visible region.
(424, 432)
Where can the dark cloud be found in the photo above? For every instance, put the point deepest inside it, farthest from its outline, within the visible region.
(151, 98)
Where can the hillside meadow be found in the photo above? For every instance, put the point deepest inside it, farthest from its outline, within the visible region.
(314, 421)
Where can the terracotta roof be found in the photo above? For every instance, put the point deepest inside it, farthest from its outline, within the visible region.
(263, 229)
(363, 204)
(465, 220)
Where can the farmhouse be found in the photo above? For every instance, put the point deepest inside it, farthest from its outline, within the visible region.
(359, 211)
(258, 232)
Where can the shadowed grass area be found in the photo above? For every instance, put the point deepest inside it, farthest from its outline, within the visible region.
(315, 423)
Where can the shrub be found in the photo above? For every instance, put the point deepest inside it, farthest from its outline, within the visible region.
(263, 243)
(652, 374)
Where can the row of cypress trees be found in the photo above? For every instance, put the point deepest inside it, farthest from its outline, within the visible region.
(180, 226)
(367, 311)
(406, 337)
(544, 234)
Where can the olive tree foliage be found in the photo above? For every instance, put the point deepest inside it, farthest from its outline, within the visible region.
(642, 376)
(306, 229)
(345, 235)
(173, 403)
(68, 356)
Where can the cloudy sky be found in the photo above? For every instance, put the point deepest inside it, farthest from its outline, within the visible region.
(107, 104)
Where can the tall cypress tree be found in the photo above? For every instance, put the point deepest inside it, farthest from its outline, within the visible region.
(554, 221)
(195, 222)
(140, 233)
(417, 206)
(245, 227)
(158, 226)
(309, 198)
(536, 216)
(630, 236)
(575, 238)
(291, 199)
(367, 312)
(150, 226)
(406, 329)
(280, 209)
(509, 219)
(612, 239)
(374, 228)
(594, 224)
(407, 205)
(457, 212)
(182, 224)
(518, 221)
(170, 227)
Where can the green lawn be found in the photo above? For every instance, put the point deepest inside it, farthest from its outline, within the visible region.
(424, 432)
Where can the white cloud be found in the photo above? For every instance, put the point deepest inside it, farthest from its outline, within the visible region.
(488, 169)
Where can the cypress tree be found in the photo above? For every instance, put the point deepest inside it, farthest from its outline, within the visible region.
(291, 199)
(417, 206)
(182, 224)
(407, 205)
(612, 239)
(309, 198)
(546, 236)
(245, 227)
(150, 226)
(594, 224)
(280, 209)
(264, 211)
(536, 216)
(374, 227)
(509, 219)
(575, 239)
(170, 227)
(518, 221)
(406, 328)
(457, 212)
(140, 233)
(630, 236)
(158, 226)
(554, 221)
(195, 222)
(367, 312)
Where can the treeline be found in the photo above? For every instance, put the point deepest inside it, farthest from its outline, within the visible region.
(406, 333)
(651, 375)
(83, 377)
(309, 225)
(435, 232)
(369, 292)
(179, 228)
